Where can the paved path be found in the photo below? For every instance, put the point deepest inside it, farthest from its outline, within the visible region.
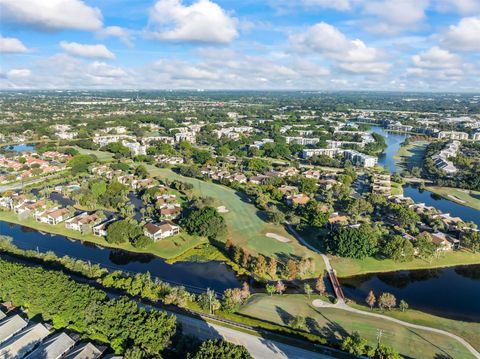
(321, 304)
(342, 305)
(258, 347)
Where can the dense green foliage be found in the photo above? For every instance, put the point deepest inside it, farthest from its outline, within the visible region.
(118, 322)
(221, 349)
(205, 222)
(351, 242)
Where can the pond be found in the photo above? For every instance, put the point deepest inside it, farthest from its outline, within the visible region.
(23, 147)
(447, 292)
(194, 276)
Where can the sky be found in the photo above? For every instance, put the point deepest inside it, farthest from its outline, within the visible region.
(394, 45)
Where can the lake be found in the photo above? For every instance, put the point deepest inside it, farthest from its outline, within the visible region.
(387, 159)
(447, 292)
(195, 276)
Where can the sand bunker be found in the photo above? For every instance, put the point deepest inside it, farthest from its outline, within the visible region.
(222, 209)
(278, 237)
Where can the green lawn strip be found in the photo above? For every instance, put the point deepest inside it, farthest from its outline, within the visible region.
(244, 223)
(347, 266)
(167, 248)
(411, 155)
(103, 156)
(465, 197)
(336, 323)
(467, 330)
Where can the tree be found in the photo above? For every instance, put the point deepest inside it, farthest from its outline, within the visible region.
(354, 344)
(221, 349)
(359, 207)
(272, 267)
(205, 222)
(141, 171)
(119, 232)
(270, 288)
(307, 289)
(232, 298)
(387, 300)
(398, 248)
(316, 213)
(307, 185)
(320, 285)
(357, 243)
(260, 266)
(383, 352)
(425, 247)
(298, 322)
(471, 240)
(370, 300)
(291, 270)
(245, 292)
(257, 165)
(208, 301)
(279, 287)
(201, 156)
(275, 215)
(403, 305)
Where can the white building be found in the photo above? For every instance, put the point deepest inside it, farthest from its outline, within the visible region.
(453, 135)
(302, 140)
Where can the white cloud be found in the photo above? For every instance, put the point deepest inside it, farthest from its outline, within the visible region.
(18, 73)
(122, 34)
(11, 45)
(435, 58)
(340, 5)
(395, 15)
(101, 69)
(94, 51)
(465, 36)
(202, 21)
(51, 14)
(350, 55)
(464, 7)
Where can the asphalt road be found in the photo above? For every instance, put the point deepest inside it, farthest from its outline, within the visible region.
(258, 347)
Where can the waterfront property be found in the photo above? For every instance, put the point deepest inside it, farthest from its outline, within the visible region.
(157, 231)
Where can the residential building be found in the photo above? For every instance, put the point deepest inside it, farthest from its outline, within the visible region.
(453, 135)
(160, 230)
(82, 222)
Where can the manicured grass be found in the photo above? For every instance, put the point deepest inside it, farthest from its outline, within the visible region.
(244, 221)
(347, 267)
(411, 155)
(461, 196)
(103, 156)
(467, 330)
(336, 323)
(167, 248)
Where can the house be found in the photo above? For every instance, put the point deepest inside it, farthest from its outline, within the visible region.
(298, 199)
(54, 216)
(170, 211)
(29, 206)
(337, 218)
(444, 242)
(53, 347)
(238, 177)
(24, 341)
(10, 326)
(101, 228)
(83, 220)
(257, 179)
(161, 230)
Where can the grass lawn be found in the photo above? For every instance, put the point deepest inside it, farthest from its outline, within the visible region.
(103, 156)
(411, 155)
(244, 221)
(467, 330)
(167, 248)
(336, 323)
(347, 267)
(458, 195)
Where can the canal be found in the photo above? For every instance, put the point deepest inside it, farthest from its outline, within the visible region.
(195, 276)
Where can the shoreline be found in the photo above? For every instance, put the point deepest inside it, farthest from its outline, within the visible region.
(91, 239)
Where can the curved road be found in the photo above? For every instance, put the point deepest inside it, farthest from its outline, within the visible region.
(342, 305)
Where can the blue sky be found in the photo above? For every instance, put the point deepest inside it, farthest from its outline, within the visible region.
(426, 45)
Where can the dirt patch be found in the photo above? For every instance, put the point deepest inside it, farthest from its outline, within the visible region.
(222, 209)
(278, 237)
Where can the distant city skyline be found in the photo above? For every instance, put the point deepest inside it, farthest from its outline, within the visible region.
(394, 45)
